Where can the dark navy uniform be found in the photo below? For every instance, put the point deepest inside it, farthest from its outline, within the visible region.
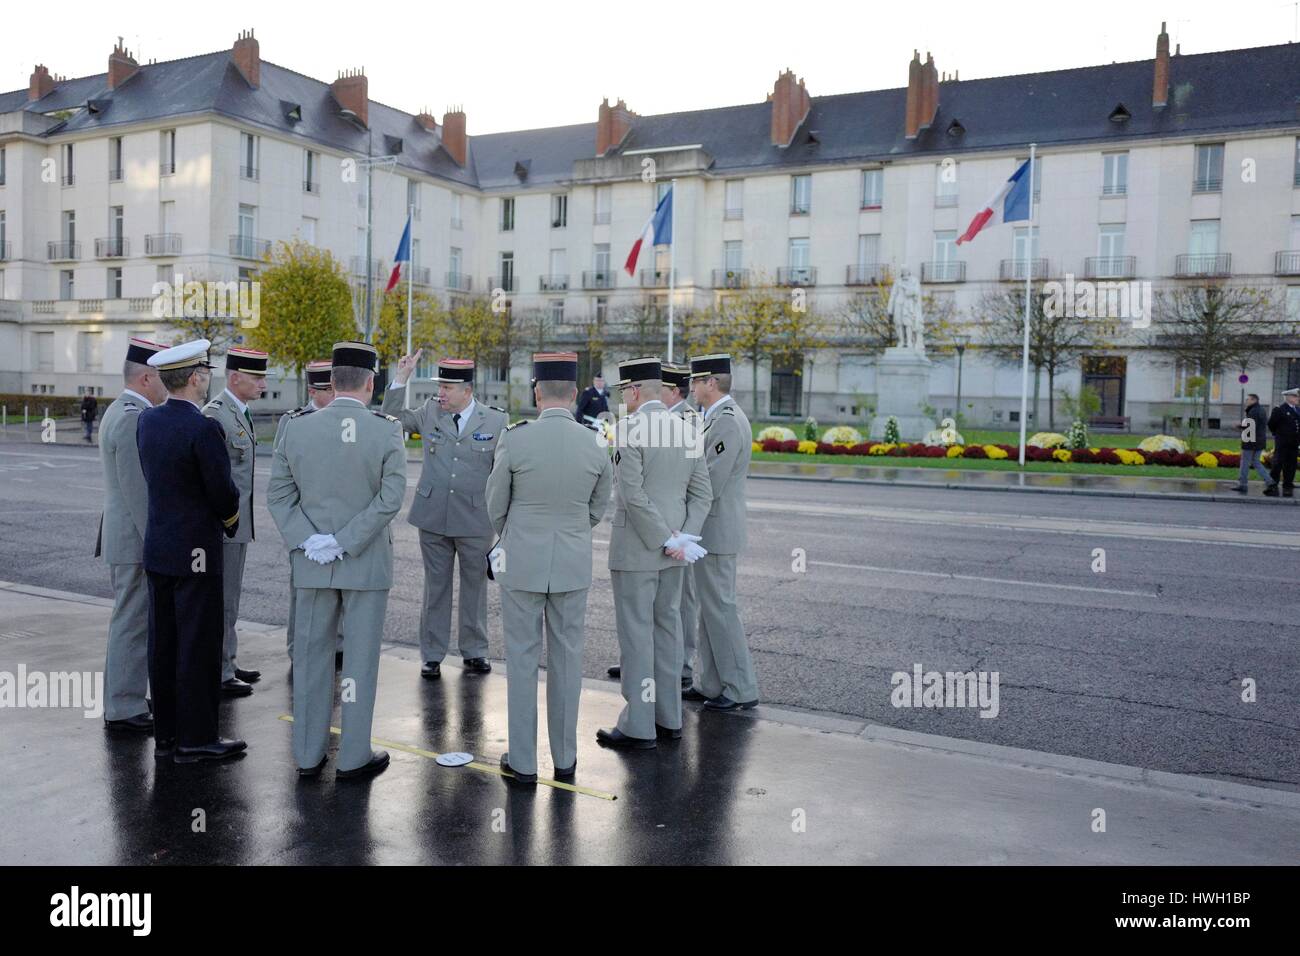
(193, 506)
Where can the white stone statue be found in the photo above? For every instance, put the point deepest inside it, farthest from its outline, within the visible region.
(905, 308)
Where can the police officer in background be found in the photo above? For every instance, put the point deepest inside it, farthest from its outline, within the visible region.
(594, 400)
(193, 507)
(460, 437)
(661, 489)
(725, 679)
(337, 481)
(676, 390)
(245, 381)
(121, 542)
(320, 392)
(1284, 423)
(548, 489)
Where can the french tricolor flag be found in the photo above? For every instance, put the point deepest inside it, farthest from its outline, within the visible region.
(403, 255)
(657, 232)
(1013, 197)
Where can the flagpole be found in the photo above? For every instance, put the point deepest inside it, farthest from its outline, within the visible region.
(410, 296)
(672, 264)
(1029, 272)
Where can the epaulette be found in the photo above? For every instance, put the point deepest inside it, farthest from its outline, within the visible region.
(501, 410)
(131, 406)
(302, 411)
(214, 403)
(523, 421)
(382, 415)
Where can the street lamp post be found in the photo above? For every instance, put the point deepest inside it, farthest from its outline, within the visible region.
(959, 342)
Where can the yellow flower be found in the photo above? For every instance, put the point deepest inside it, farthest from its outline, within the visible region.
(884, 448)
(955, 451)
(807, 447)
(994, 452)
(1206, 460)
(1129, 457)
(756, 446)
(1061, 454)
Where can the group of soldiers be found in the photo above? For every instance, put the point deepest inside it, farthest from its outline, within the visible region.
(515, 503)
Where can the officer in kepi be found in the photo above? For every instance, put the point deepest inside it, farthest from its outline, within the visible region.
(548, 489)
(337, 481)
(460, 437)
(193, 508)
(121, 542)
(725, 679)
(245, 381)
(320, 392)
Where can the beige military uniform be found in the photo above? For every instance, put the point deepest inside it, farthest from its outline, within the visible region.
(725, 664)
(548, 488)
(121, 543)
(690, 602)
(659, 489)
(341, 471)
(241, 445)
(449, 510)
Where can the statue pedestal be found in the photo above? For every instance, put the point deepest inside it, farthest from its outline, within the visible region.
(902, 390)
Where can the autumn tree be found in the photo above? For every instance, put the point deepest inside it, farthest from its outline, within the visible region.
(206, 308)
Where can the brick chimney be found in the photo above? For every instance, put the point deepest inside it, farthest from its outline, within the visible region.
(613, 123)
(40, 84)
(453, 135)
(121, 66)
(248, 59)
(922, 94)
(790, 106)
(426, 119)
(1160, 84)
(352, 92)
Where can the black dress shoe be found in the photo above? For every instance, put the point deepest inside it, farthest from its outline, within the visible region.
(620, 741)
(1240, 490)
(688, 683)
(140, 723)
(723, 702)
(313, 771)
(1271, 491)
(431, 671)
(219, 749)
(566, 773)
(164, 749)
(235, 688)
(514, 776)
(248, 677)
(478, 665)
(1289, 493)
(690, 693)
(667, 733)
(616, 671)
(376, 764)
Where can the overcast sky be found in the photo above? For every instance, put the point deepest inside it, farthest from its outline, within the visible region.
(520, 65)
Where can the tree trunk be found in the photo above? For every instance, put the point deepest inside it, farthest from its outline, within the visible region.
(753, 368)
(1033, 408)
(1051, 399)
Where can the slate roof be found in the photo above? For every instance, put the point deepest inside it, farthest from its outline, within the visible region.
(1210, 93)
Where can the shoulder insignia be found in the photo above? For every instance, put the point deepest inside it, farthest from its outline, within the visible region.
(501, 410)
(214, 403)
(302, 411)
(382, 415)
(522, 421)
(130, 406)
(718, 448)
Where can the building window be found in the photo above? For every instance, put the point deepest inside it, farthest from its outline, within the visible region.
(455, 210)
(307, 231)
(945, 184)
(167, 153)
(1203, 239)
(43, 351)
(114, 283)
(733, 251)
(557, 311)
(247, 156)
(1296, 179)
(115, 159)
(600, 261)
(1114, 174)
(604, 203)
(1022, 247)
(310, 171)
(4, 238)
(946, 268)
(163, 276)
(799, 261)
(69, 169)
(1208, 177)
(786, 390)
(1184, 372)
(873, 185)
(559, 211)
(92, 351)
(1293, 303)
(69, 226)
(800, 195)
(3, 162)
(413, 198)
(868, 250)
(661, 190)
(507, 221)
(1110, 250)
(601, 310)
(507, 272)
(734, 199)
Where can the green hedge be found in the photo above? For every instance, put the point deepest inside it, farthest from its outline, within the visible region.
(60, 406)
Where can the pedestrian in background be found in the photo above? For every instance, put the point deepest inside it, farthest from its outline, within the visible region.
(1254, 440)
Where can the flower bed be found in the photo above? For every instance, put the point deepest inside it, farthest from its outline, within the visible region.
(1106, 456)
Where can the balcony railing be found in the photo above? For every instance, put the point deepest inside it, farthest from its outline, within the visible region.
(247, 247)
(162, 244)
(866, 273)
(6, 251)
(166, 169)
(1017, 270)
(945, 199)
(1203, 264)
(504, 283)
(115, 174)
(598, 279)
(946, 270)
(357, 265)
(800, 208)
(422, 275)
(552, 283)
(1207, 184)
(85, 306)
(1114, 189)
(308, 186)
(1287, 263)
(1110, 267)
(113, 247)
(459, 281)
(730, 278)
(248, 172)
(734, 213)
(69, 179)
(63, 250)
(796, 276)
(654, 278)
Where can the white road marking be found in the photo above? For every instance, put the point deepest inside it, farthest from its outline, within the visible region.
(973, 577)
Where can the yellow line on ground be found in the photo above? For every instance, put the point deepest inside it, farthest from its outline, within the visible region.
(474, 764)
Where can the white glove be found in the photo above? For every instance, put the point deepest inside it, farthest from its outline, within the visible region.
(693, 552)
(322, 548)
(680, 540)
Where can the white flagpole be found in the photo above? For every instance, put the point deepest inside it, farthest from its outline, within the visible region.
(1029, 272)
(410, 294)
(672, 264)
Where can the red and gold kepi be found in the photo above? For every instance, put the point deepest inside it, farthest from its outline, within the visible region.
(141, 351)
(455, 371)
(555, 367)
(355, 355)
(639, 370)
(676, 376)
(319, 374)
(706, 365)
(248, 361)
